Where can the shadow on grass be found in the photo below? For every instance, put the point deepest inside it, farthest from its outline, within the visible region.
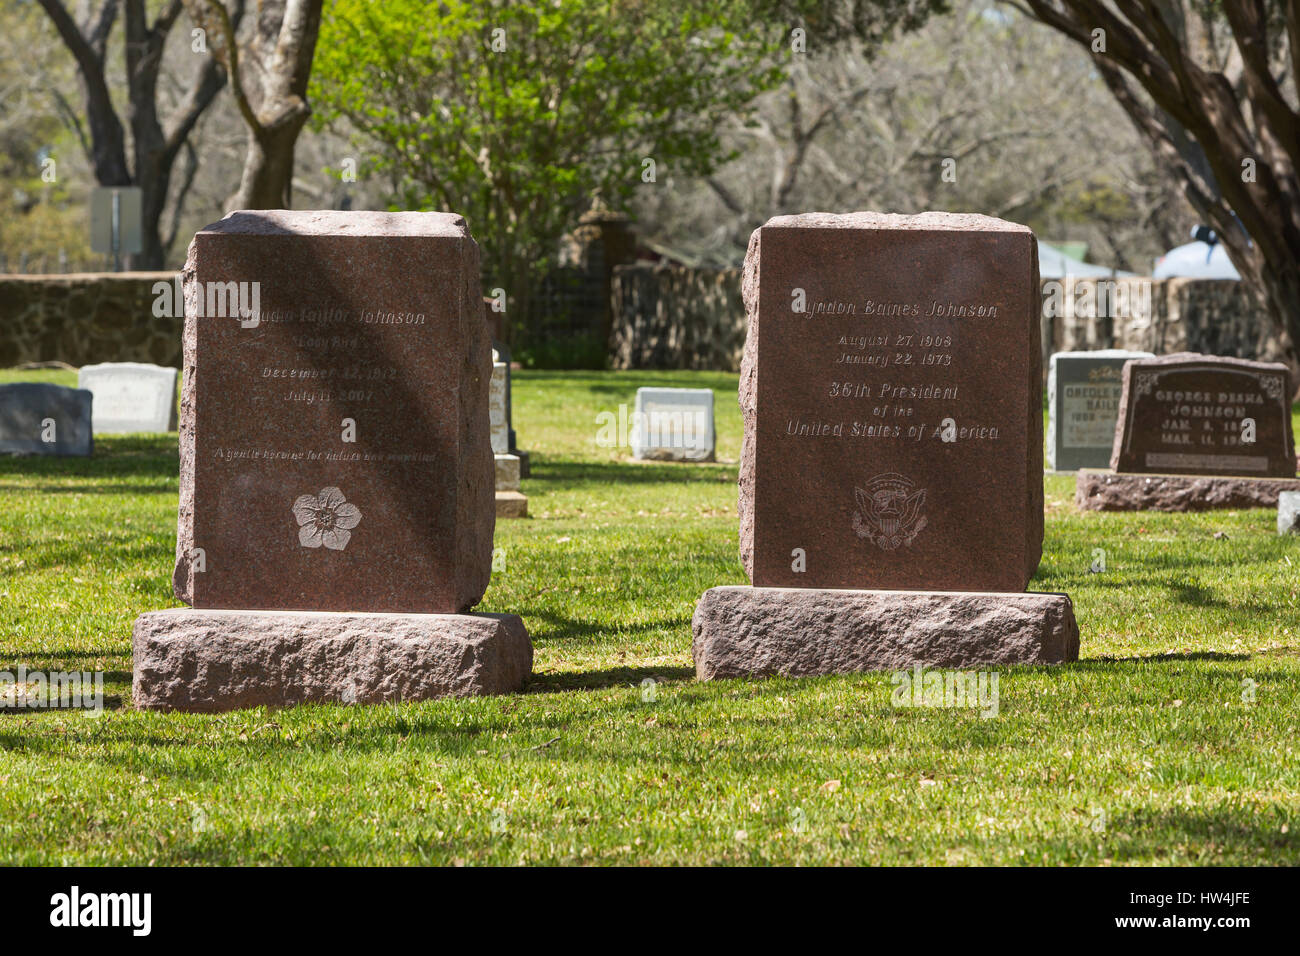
(568, 473)
(563, 628)
(10, 742)
(608, 677)
(1163, 658)
(42, 557)
(1149, 833)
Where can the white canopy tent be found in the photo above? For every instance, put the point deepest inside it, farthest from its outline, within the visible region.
(1055, 264)
(1196, 260)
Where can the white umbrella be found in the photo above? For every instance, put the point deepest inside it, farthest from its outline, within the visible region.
(1196, 260)
(1055, 264)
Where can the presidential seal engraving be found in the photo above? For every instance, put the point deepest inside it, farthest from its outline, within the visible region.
(889, 511)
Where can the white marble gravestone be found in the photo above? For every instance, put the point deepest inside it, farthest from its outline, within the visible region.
(497, 420)
(131, 396)
(673, 424)
(510, 502)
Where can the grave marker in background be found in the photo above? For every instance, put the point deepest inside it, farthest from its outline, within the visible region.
(510, 502)
(1083, 392)
(37, 418)
(131, 396)
(1197, 432)
(674, 424)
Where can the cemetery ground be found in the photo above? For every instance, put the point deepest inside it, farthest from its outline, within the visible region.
(1172, 741)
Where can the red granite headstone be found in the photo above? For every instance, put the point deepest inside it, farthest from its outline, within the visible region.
(334, 432)
(891, 391)
(1190, 414)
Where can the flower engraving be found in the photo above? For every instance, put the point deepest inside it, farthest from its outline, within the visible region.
(325, 519)
(1272, 386)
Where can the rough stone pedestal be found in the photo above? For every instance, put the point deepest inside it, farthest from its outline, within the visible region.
(800, 632)
(1288, 512)
(511, 502)
(215, 660)
(1111, 491)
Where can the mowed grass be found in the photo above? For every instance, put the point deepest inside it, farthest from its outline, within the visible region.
(1174, 740)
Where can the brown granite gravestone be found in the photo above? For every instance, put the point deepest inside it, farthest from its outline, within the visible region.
(336, 507)
(891, 497)
(1197, 432)
(891, 391)
(335, 451)
(1187, 414)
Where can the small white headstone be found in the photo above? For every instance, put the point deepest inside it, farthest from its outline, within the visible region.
(131, 396)
(673, 424)
(507, 472)
(497, 421)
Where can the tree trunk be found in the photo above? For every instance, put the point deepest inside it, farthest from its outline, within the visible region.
(1219, 122)
(267, 180)
(268, 57)
(154, 148)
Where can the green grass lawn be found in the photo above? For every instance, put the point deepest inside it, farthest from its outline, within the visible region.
(1147, 751)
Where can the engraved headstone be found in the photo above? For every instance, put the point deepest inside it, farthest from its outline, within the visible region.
(336, 512)
(131, 396)
(673, 424)
(1083, 390)
(891, 395)
(334, 442)
(891, 488)
(1197, 432)
(1190, 414)
(37, 418)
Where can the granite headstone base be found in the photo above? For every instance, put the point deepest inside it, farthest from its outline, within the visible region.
(215, 660)
(798, 632)
(507, 472)
(512, 504)
(1121, 491)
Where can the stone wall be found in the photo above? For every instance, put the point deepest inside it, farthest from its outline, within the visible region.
(663, 317)
(672, 317)
(1215, 316)
(668, 317)
(83, 318)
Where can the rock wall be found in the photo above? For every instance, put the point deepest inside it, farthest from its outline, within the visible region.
(83, 318)
(1215, 316)
(668, 317)
(663, 317)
